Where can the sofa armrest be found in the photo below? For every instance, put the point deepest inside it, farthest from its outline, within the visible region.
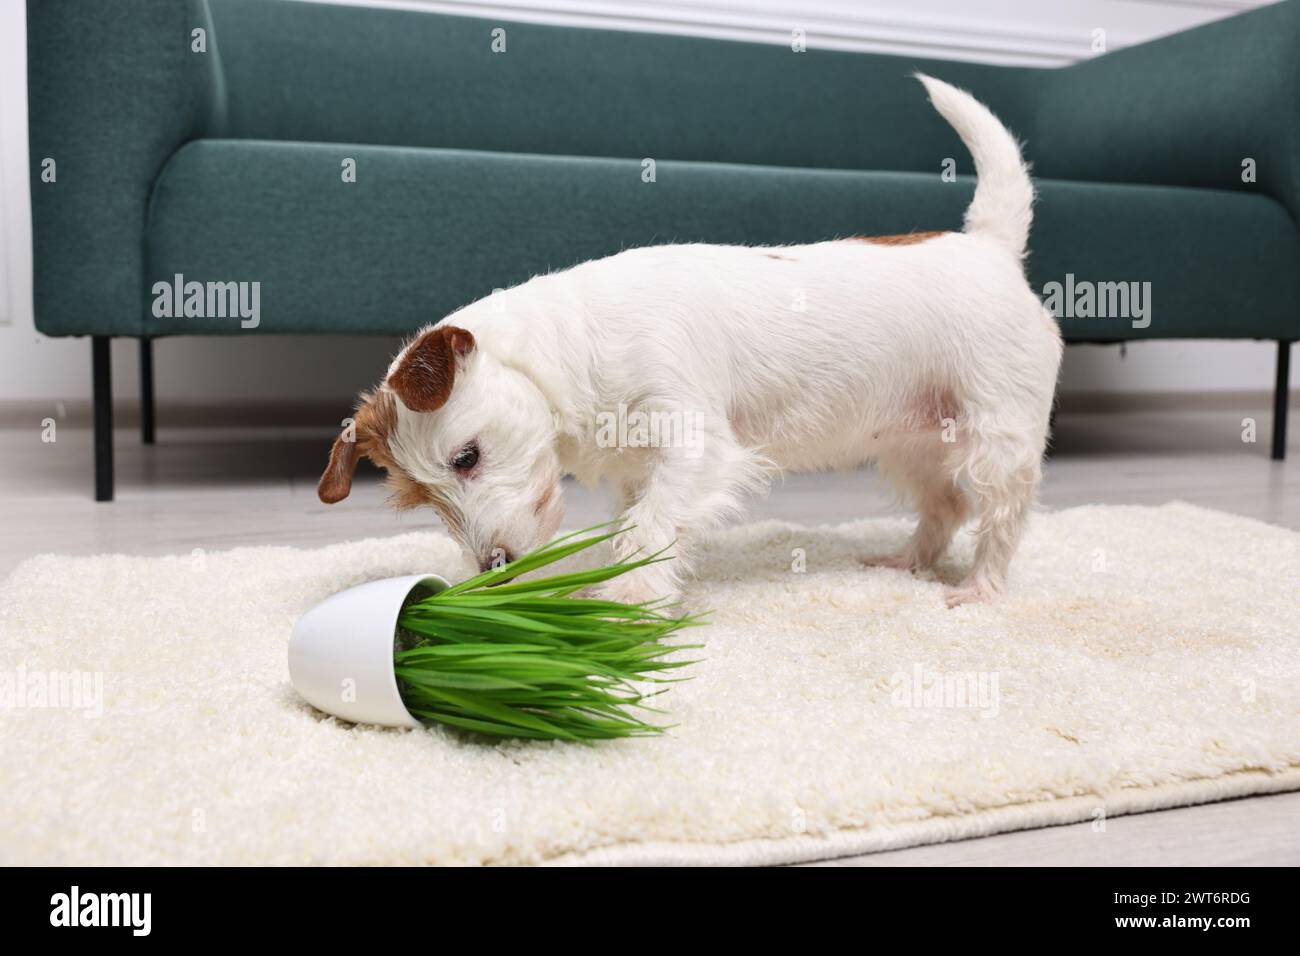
(1183, 110)
(113, 90)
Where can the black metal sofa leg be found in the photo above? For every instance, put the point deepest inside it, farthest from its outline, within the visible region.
(146, 391)
(1281, 397)
(102, 389)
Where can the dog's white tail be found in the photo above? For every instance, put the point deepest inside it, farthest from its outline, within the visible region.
(1004, 195)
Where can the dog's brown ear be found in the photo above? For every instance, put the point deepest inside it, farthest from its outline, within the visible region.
(424, 378)
(366, 434)
(336, 482)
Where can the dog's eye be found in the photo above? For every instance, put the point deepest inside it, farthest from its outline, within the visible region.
(466, 458)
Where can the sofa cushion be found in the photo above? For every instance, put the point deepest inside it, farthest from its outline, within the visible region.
(422, 232)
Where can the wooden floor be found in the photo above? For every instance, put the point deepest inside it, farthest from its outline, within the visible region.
(215, 488)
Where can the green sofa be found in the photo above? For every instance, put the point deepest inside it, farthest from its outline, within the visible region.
(211, 139)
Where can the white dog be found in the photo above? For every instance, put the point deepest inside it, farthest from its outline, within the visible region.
(928, 353)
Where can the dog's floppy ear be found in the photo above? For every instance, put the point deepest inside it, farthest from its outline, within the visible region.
(366, 434)
(336, 482)
(423, 378)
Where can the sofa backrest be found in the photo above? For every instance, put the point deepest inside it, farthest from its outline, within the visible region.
(331, 73)
(1214, 107)
(116, 88)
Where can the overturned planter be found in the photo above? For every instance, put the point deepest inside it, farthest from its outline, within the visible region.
(498, 655)
(341, 651)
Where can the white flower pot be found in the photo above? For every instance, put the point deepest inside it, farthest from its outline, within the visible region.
(341, 651)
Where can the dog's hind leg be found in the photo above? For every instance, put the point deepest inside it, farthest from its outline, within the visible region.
(1002, 468)
(920, 469)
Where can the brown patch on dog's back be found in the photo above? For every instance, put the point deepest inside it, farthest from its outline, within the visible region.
(904, 239)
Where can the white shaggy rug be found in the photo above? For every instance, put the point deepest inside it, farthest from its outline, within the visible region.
(1144, 658)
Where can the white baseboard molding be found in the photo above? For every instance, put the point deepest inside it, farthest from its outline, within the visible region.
(78, 413)
(1092, 403)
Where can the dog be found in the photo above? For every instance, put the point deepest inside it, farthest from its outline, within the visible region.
(928, 353)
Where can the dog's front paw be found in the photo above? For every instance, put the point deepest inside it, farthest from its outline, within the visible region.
(971, 592)
(900, 561)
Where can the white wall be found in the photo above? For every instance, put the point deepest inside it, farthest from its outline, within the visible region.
(304, 368)
(15, 232)
(1030, 32)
